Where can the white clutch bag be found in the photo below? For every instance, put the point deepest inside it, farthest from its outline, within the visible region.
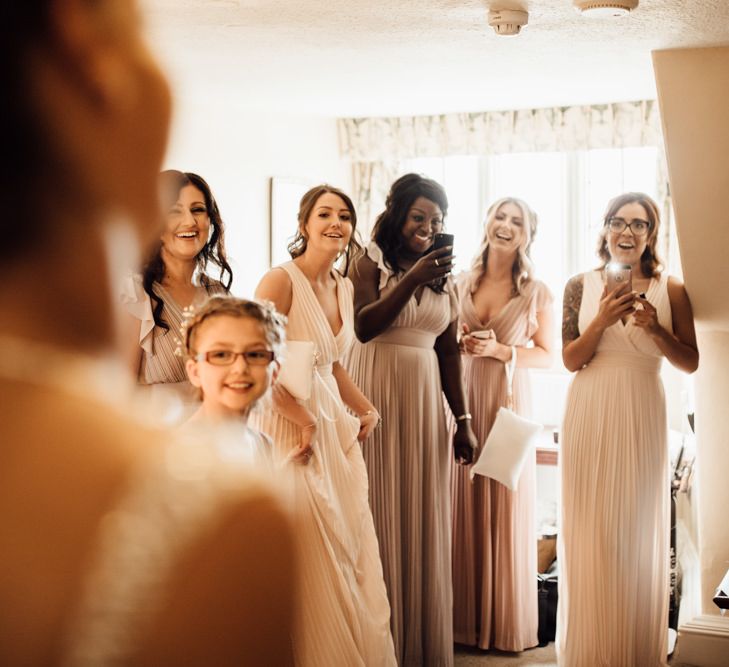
(297, 369)
(510, 441)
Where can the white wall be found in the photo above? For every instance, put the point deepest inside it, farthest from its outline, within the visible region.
(238, 152)
(693, 93)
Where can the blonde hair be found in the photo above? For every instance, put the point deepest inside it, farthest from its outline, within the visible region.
(272, 322)
(522, 269)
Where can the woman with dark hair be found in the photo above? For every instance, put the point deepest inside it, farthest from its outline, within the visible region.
(343, 616)
(120, 545)
(613, 542)
(176, 277)
(504, 310)
(405, 310)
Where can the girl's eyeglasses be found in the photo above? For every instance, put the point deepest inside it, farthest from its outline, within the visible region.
(228, 357)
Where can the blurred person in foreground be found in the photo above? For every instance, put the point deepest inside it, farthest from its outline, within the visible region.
(118, 544)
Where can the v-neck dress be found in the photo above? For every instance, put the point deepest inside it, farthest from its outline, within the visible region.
(343, 616)
(409, 465)
(614, 530)
(162, 370)
(494, 531)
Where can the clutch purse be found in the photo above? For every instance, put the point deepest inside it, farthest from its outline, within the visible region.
(297, 368)
(509, 442)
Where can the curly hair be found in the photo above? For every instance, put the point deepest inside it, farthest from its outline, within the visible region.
(272, 322)
(522, 270)
(387, 232)
(650, 263)
(306, 206)
(171, 182)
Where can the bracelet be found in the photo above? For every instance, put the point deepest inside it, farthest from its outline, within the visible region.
(312, 425)
(463, 417)
(373, 412)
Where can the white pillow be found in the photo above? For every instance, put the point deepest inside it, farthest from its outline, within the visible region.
(297, 369)
(510, 441)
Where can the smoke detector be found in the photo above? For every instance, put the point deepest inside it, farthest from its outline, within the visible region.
(507, 21)
(602, 8)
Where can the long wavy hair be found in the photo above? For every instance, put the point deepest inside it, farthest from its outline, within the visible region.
(306, 206)
(522, 270)
(171, 182)
(387, 232)
(650, 263)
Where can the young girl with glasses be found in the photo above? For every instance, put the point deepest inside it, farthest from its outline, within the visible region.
(232, 349)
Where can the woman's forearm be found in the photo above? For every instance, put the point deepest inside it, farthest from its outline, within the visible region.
(351, 394)
(683, 356)
(577, 353)
(374, 318)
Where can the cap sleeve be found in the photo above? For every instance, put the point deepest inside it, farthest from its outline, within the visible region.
(138, 304)
(374, 252)
(541, 299)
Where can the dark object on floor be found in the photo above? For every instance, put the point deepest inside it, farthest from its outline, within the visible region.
(721, 597)
(547, 589)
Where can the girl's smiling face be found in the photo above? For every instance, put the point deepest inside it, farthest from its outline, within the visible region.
(230, 388)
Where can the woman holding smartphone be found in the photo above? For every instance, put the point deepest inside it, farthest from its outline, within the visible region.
(502, 309)
(613, 543)
(406, 320)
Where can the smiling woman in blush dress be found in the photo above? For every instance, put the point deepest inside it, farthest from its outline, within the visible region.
(174, 278)
(406, 360)
(494, 531)
(613, 543)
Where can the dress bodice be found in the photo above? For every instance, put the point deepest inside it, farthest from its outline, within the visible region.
(625, 337)
(516, 322)
(306, 319)
(432, 314)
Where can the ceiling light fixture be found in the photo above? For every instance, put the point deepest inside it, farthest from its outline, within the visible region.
(603, 8)
(507, 21)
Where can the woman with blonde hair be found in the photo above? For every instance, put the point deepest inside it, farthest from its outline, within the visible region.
(504, 310)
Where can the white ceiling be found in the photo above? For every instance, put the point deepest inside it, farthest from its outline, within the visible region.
(404, 57)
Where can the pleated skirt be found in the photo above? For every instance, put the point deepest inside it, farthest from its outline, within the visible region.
(409, 465)
(614, 531)
(494, 531)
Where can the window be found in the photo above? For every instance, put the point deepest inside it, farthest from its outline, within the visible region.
(568, 192)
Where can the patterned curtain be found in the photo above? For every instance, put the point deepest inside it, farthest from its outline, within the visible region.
(375, 146)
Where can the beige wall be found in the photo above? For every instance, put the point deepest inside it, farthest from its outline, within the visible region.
(237, 152)
(693, 93)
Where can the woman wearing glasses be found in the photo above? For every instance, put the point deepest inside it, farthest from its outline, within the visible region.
(615, 521)
(344, 616)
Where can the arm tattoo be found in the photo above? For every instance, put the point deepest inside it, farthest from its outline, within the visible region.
(571, 309)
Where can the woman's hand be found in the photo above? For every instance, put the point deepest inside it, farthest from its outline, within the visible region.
(485, 345)
(303, 451)
(289, 407)
(614, 306)
(368, 422)
(647, 318)
(464, 443)
(432, 266)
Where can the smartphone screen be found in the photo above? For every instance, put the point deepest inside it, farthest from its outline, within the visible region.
(619, 275)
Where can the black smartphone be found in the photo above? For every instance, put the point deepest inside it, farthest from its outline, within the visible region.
(441, 240)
